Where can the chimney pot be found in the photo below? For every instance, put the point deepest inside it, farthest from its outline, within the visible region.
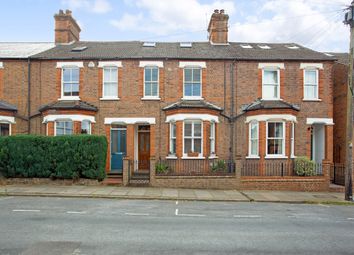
(216, 11)
(61, 12)
(222, 11)
(68, 12)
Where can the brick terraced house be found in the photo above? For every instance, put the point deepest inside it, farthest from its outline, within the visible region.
(183, 114)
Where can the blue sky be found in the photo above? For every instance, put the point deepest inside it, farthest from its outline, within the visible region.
(313, 23)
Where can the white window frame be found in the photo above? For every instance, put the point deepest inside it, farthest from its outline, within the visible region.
(90, 127)
(278, 85)
(103, 83)
(292, 140)
(62, 82)
(185, 155)
(250, 139)
(317, 84)
(200, 97)
(172, 138)
(283, 140)
(7, 123)
(55, 126)
(157, 97)
(212, 139)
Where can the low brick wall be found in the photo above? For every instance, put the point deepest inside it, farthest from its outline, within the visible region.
(285, 183)
(196, 182)
(17, 181)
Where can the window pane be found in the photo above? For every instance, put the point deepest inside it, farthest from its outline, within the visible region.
(270, 77)
(4, 129)
(271, 129)
(173, 130)
(173, 146)
(147, 74)
(69, 125)
(270, 91)
(60, 124)
(114, 75)
(275, 146)
(254, 130)
(154, 74)
(196, 90)
(310, 92)
(187, 129)
(310, 77)
(187, 75)
(188, 89)
(66, 75)
(279, 130)
(75, 89)
(197, 129)
(254, 147)
(60, 131)
(110, 90)
(154, 89)
(75, 72)
(187, 145)
(85, 127)
(196, 75)
(148, 91)
(67, 89)
(198, 145)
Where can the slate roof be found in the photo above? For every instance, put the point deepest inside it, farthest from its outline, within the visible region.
(7, 107)
(342, 57)
(69, 105)
(172, 50)
(267, 104)
(192, 104)
(22, 50)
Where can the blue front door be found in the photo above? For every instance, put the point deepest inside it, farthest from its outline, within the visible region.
(118, 149)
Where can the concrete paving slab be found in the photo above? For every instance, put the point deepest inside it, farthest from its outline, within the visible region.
(169, 193)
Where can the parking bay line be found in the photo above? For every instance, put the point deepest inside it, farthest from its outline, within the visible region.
(76, 212)
(137, 214)
(25, 210)
(247, 216)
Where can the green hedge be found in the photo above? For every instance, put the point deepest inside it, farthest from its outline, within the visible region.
(62, 157)
(305, 166)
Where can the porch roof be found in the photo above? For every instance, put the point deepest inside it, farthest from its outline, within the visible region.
(7, 107)
(192, 104)
(69, 105)
(270, 104)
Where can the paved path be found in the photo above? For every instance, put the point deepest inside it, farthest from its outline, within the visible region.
(169, 193)
(74, 226)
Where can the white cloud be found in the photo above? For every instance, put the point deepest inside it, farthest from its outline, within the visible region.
(95, 6)
(310, 23)
(169, 17)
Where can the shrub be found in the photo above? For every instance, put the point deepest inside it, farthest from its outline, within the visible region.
(305, 166)
(62, 157)
(219, 166)
(161, 168)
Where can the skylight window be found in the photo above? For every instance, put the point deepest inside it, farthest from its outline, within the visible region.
(264, 47)
(293, 47)
(78, 49)
(328, 54)
(149, 44)
(246, 46)
(185, 45)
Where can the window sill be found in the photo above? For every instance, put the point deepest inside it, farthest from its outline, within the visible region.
(171, 157)
(293, 156)
(150, 98)
(253, 157)
(275, 157)
(185, 157)
(69, 99)
(213, 157)
(312, 100)
(192, 98)
(109, 98)
(272, 99)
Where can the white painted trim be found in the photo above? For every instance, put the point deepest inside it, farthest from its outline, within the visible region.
(159, 64)
(283, 155)
(266, 117)
(325, 121)
(183, 64)
(72, 117)
(271, 65)
(1, 65)
(109, 98)
(150, 98)
(311, 65)
(126, 121)
(191, 98)
(171, 157)
(184, 157)
(69, 98)
(250, 155)
(253, 157)
(192, 116)
(7, 119)
(275, 157)
(69, 64)
(102, 64)
(158, 85)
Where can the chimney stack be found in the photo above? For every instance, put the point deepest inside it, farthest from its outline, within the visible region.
(218, 27)
(66, 28)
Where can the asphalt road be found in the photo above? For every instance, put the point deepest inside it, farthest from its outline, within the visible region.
(34, 225)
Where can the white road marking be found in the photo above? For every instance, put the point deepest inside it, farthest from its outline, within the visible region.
(191, 215)
(247, 216)
(25, 210)
(323, 205)
(176, 202)
(75, 212)
(350, 218)
(137, 214)
(176, 212)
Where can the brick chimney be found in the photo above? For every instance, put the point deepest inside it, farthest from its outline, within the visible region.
(218, 27)
(66, 28)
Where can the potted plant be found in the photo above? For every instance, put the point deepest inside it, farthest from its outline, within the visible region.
(218, 166)
(161, 168)
(192, 154)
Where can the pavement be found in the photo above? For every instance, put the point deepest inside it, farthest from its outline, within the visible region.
(170, 194)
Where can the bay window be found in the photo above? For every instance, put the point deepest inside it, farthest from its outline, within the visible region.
(253, 139)
(172, 138)
(212, 138)
(63, 128)
(192, 136)
(275, 139)
(86, 127)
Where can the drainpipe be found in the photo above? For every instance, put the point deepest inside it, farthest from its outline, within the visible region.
(29, 95)
(231, 156)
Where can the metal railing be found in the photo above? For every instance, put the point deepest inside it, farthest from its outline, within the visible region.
(279, 168)
(338, 174)
(194, 167)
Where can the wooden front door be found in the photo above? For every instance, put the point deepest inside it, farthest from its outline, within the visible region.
(144, 150)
